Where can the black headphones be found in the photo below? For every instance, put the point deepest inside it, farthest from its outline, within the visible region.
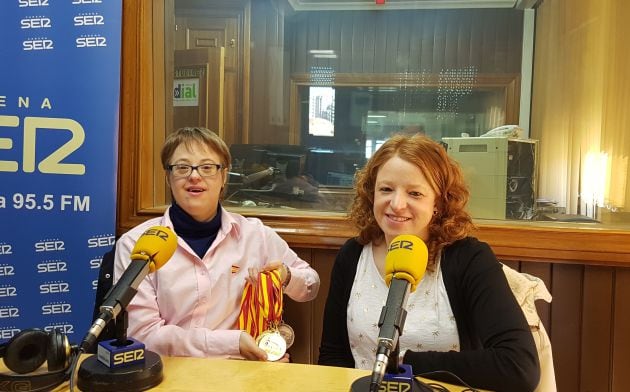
(27, 351)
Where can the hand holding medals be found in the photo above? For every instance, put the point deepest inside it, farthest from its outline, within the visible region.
(261, 315)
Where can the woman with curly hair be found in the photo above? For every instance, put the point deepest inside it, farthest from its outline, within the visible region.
(463, 318)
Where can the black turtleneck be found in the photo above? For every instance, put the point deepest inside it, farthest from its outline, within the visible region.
(199, 235)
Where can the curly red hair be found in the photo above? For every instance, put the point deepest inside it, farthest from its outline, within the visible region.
(451, 222)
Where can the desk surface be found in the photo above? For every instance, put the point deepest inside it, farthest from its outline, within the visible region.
(201, 374)
(193, 374)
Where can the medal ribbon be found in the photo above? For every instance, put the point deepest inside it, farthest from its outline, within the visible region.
(261, 304)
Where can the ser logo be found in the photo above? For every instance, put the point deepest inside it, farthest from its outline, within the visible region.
(9, 312)
(89, 20)
(37, 44)
(129, 356)
(8, 291)
(96, 263)
(86, 1)
(394, 386)
(402, 244)
(99, 242)
(35, 23)
(7, 270)
(32, 3)
(58, 308)
(64, 328)
(34, 126)
(54, 288)
(6, 249)
(161, 234)
(8, 333)
(91, 42)
(50, 246)
(52, 266)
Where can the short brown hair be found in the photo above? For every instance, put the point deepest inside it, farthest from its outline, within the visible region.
(450, 223)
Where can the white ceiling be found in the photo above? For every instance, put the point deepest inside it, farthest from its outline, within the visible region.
(319, 5)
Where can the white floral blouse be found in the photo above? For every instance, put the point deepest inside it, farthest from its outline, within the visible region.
(430, 324)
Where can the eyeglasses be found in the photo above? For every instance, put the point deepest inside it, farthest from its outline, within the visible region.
(205, 170)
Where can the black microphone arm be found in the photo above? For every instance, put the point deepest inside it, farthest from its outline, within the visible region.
(391, 324)
(116, 300)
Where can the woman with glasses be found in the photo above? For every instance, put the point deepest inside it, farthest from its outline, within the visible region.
(191, 305)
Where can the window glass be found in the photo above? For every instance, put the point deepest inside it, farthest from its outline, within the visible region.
(304, 97)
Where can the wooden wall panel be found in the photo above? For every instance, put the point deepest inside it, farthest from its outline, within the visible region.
(336, 22)
(380, 43)
(451, 41)
(596, 335)
(426, 52)
(427, 41)
(306, 318)
(620, 376)
(501, 45)
(566, 317)
(476, 41)
(323, 260)
(300, 317)
(345, 60)
(358, 28)
(267, 77)
(410, 40)
(298, 58)
(463, 39)
(415, 45)
(368, 55)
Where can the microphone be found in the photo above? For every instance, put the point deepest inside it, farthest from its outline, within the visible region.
(405, 264)
(152, 250)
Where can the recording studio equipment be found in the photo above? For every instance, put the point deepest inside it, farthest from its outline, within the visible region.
(501, 174)
(26, 351)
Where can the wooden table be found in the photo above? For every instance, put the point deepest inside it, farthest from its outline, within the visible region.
(203, 374)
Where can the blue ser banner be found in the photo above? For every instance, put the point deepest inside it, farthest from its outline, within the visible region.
(59, 118)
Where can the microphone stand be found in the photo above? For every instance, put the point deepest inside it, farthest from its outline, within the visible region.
(392, 362)
(140, 374)
(397, 377)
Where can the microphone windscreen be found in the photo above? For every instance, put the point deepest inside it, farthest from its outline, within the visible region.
(406, 259)
(157, 244)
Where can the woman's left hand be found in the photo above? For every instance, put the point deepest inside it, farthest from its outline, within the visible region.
(254, 272)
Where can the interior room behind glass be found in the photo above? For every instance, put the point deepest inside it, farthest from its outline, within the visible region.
(309, 95)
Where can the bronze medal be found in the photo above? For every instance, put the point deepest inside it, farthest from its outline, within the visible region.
(287, 333)
(273, 344)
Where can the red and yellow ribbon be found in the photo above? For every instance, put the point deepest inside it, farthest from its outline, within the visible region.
(261, 304)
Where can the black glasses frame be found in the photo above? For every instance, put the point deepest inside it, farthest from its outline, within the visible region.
(192, 168)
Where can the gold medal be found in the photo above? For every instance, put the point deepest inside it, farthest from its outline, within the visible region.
(287, 333)
(273, 344)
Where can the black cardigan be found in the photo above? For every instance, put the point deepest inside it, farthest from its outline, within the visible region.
(497, 348)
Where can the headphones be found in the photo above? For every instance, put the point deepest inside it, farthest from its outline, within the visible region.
(27, 351)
